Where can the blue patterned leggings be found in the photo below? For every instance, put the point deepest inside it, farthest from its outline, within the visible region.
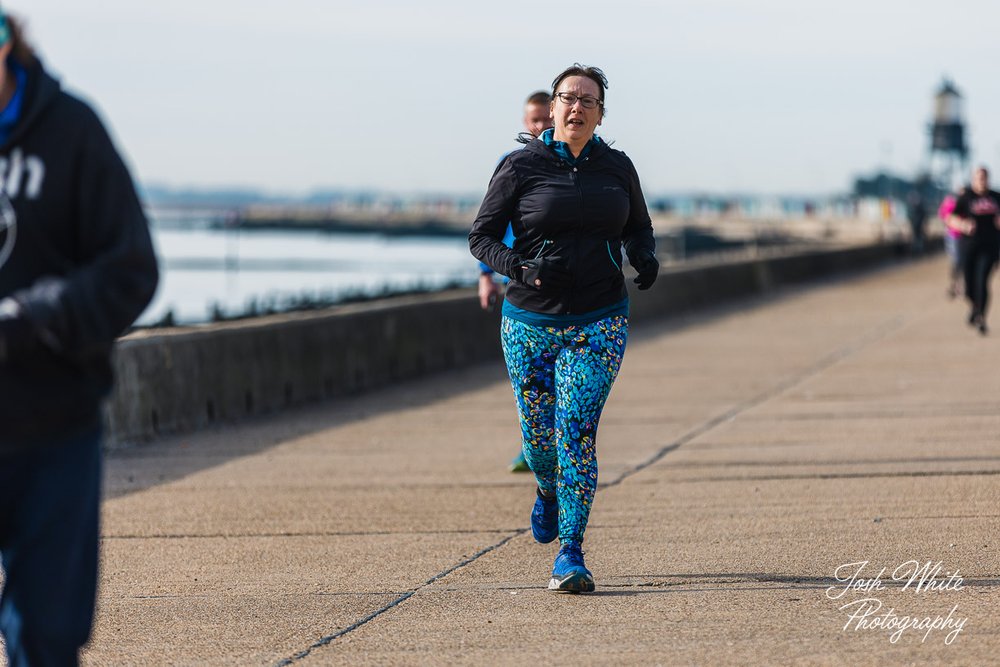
(561, 377)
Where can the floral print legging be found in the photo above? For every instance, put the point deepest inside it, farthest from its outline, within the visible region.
(561, 378)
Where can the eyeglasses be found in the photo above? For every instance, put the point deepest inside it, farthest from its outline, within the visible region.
(569, 99)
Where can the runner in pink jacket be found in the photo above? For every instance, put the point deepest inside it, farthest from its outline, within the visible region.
(953, 243)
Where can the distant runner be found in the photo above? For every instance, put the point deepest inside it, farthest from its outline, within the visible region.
(978, 217)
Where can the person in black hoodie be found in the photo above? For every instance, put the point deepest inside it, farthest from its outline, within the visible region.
(76, 268)
(572, 202)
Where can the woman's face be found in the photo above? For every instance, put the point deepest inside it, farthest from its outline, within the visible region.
(980, 180)
(573, 123)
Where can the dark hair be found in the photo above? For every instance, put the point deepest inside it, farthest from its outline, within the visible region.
(538, 97)
(21, 51)
(592, 73)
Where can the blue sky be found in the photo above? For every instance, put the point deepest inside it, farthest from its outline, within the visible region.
(719, 95)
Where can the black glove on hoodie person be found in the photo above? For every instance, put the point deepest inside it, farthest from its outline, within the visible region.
(17, 335)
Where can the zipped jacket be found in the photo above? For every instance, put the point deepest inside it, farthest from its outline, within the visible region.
(580, 215)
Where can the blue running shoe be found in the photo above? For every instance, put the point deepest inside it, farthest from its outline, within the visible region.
(545, 518)
(569, 574)
(519, 464)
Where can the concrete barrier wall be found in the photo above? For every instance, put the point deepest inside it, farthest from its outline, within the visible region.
(181, 380)
(688, 288)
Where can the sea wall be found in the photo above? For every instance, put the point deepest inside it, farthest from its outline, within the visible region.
(184, 379)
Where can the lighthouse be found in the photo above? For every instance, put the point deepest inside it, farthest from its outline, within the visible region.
(948, 155)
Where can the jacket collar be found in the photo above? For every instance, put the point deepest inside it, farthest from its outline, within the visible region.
(598, 149)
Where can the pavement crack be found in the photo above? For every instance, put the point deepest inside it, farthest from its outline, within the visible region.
(289, 534)
(877, 333)
(854, 462)
(844, 475)
(324, 641)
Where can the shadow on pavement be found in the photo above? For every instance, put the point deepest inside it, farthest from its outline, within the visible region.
(177, 456)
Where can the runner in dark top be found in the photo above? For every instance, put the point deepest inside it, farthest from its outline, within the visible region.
(574, 203)
(978, 211)
(77, 267)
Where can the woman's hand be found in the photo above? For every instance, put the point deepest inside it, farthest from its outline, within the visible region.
(546, 272)
(489, 291)
(961, 225)
(644, 262)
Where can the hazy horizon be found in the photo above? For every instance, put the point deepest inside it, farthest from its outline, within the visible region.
(716, 96)
(321, 192)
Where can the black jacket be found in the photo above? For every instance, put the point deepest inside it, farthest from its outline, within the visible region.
(983, 210)
(581, 214)
(75, 255)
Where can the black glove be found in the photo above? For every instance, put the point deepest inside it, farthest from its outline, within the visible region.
(644, 261)
(545, 273)
(17, 338)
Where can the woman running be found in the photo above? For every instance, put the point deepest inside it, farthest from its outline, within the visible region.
(572, 202)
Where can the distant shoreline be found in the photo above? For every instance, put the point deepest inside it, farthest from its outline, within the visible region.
(382, 221)
(418, 227)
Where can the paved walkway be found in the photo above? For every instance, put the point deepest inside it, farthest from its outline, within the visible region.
(746, 454)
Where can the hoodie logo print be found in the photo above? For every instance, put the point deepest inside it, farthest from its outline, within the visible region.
(8, 230)
(17, 172)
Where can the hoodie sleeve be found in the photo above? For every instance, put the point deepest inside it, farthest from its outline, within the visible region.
(490, 226)
(83, 312)
(638, 232)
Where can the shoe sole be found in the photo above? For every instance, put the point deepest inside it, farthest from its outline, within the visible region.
(576, 582)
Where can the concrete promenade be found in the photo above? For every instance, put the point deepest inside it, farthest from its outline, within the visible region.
(746, 454)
